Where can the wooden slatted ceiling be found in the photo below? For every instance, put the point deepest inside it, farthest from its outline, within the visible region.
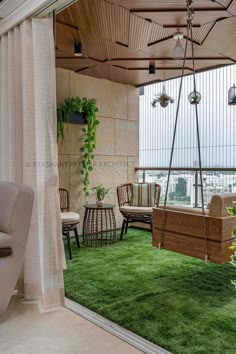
(175, 4)
(222, 37)
(121, 37)
(224, 3)
(232, 8)
(178, 18)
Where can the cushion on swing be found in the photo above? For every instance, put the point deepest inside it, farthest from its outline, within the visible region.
(186, 210)
(143, 194)
(220, 203)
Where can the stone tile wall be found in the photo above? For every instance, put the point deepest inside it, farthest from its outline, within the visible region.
(117, 137)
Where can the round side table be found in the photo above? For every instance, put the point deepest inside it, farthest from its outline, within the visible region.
(99, 226)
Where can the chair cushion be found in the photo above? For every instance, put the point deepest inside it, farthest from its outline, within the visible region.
(69, 216)
(136, 210)
(4, 237)
(143, 194)
(8, 197)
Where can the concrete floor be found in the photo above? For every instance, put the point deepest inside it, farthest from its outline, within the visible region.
(24, 330)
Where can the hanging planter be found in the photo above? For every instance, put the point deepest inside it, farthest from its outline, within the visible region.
(232, 96)
(77, 118)
(194, 97)
(78, 110)
(162, 98)
(74, 110)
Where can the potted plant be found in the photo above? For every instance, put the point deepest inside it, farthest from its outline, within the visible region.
(100, 193)
(194, 97)
(232, 211)
(163, 99)
(232, 95)
(66, 113)
(232, 100)
(74, 110)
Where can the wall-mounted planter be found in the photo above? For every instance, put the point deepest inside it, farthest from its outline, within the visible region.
(77, 118)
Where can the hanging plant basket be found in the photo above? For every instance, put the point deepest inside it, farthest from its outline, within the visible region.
(163, 99)
(78, 110)
(74, 110)
(194, 97)
(232, 96)
(77, 118)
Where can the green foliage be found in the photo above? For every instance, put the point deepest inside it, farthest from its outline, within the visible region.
(89, 107)
(233, 99)
(181, 303)
(232, 211)
(181, 187)
(100, 192)
(74, 104)
(89, 143)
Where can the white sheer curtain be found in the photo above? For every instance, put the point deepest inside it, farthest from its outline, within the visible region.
(28, 149)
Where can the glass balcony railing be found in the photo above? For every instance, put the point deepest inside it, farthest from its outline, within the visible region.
(184, 186)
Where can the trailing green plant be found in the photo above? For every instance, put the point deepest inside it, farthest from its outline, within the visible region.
(100, 192)
(89, 107)
(89, 143)
(232, 211)
(73, 104)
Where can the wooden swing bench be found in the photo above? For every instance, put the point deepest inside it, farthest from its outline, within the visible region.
(183, 229)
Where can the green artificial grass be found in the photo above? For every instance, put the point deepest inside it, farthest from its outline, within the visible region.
(177, 302)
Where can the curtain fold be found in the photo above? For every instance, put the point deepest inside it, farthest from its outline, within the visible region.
(28, 149)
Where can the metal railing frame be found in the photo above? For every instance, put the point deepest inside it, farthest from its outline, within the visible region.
(185, 169)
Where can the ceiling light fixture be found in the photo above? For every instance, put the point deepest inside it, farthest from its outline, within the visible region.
(178, 51)
(152, 68)
(78, 49)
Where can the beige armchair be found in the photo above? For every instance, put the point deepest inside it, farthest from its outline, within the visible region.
(182, 229)
(16, 203)
(70, 220)
(136, 202)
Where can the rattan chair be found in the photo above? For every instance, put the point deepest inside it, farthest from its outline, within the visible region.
(69, 219)
(136, 202)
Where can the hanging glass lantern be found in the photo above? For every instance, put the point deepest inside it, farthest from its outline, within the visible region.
(232, 95)
(194, 97)
(162, 98)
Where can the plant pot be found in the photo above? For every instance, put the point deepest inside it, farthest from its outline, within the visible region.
(164, 104)
(100, 203)
(77, 118)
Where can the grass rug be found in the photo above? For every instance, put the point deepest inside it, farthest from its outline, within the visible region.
(177, 302)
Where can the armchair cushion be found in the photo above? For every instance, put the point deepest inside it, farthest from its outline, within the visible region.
(143, 194)
(136, 210)
(9, 194)
(3, 238)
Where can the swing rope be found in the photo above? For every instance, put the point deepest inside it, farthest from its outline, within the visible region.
(190, 12)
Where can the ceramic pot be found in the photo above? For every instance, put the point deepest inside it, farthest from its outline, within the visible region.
(100, 203)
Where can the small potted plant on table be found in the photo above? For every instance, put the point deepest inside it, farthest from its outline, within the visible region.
(100, 193)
